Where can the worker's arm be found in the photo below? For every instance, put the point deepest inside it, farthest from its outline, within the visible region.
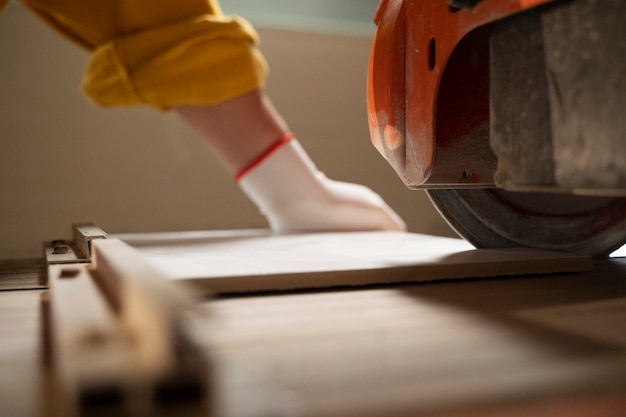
(252, 141)
(187, 55)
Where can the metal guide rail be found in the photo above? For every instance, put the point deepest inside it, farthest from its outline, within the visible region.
(116, 339)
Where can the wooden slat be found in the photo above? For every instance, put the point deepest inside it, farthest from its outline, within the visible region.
(20, 374)
(117, 331)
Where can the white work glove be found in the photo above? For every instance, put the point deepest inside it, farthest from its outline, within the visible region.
(295, 196)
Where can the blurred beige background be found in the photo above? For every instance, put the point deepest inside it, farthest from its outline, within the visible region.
(63, 160)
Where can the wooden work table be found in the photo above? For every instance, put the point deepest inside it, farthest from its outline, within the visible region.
(536, 345)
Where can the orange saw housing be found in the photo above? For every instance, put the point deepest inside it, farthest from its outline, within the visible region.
(428, 89)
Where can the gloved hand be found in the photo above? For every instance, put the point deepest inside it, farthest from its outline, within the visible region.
(295, 196)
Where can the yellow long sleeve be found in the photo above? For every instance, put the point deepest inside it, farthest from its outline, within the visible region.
(160, 53)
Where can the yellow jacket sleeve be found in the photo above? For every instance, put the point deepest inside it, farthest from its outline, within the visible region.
(159, 52)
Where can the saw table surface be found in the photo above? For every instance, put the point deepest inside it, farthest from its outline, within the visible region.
(531, 344)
